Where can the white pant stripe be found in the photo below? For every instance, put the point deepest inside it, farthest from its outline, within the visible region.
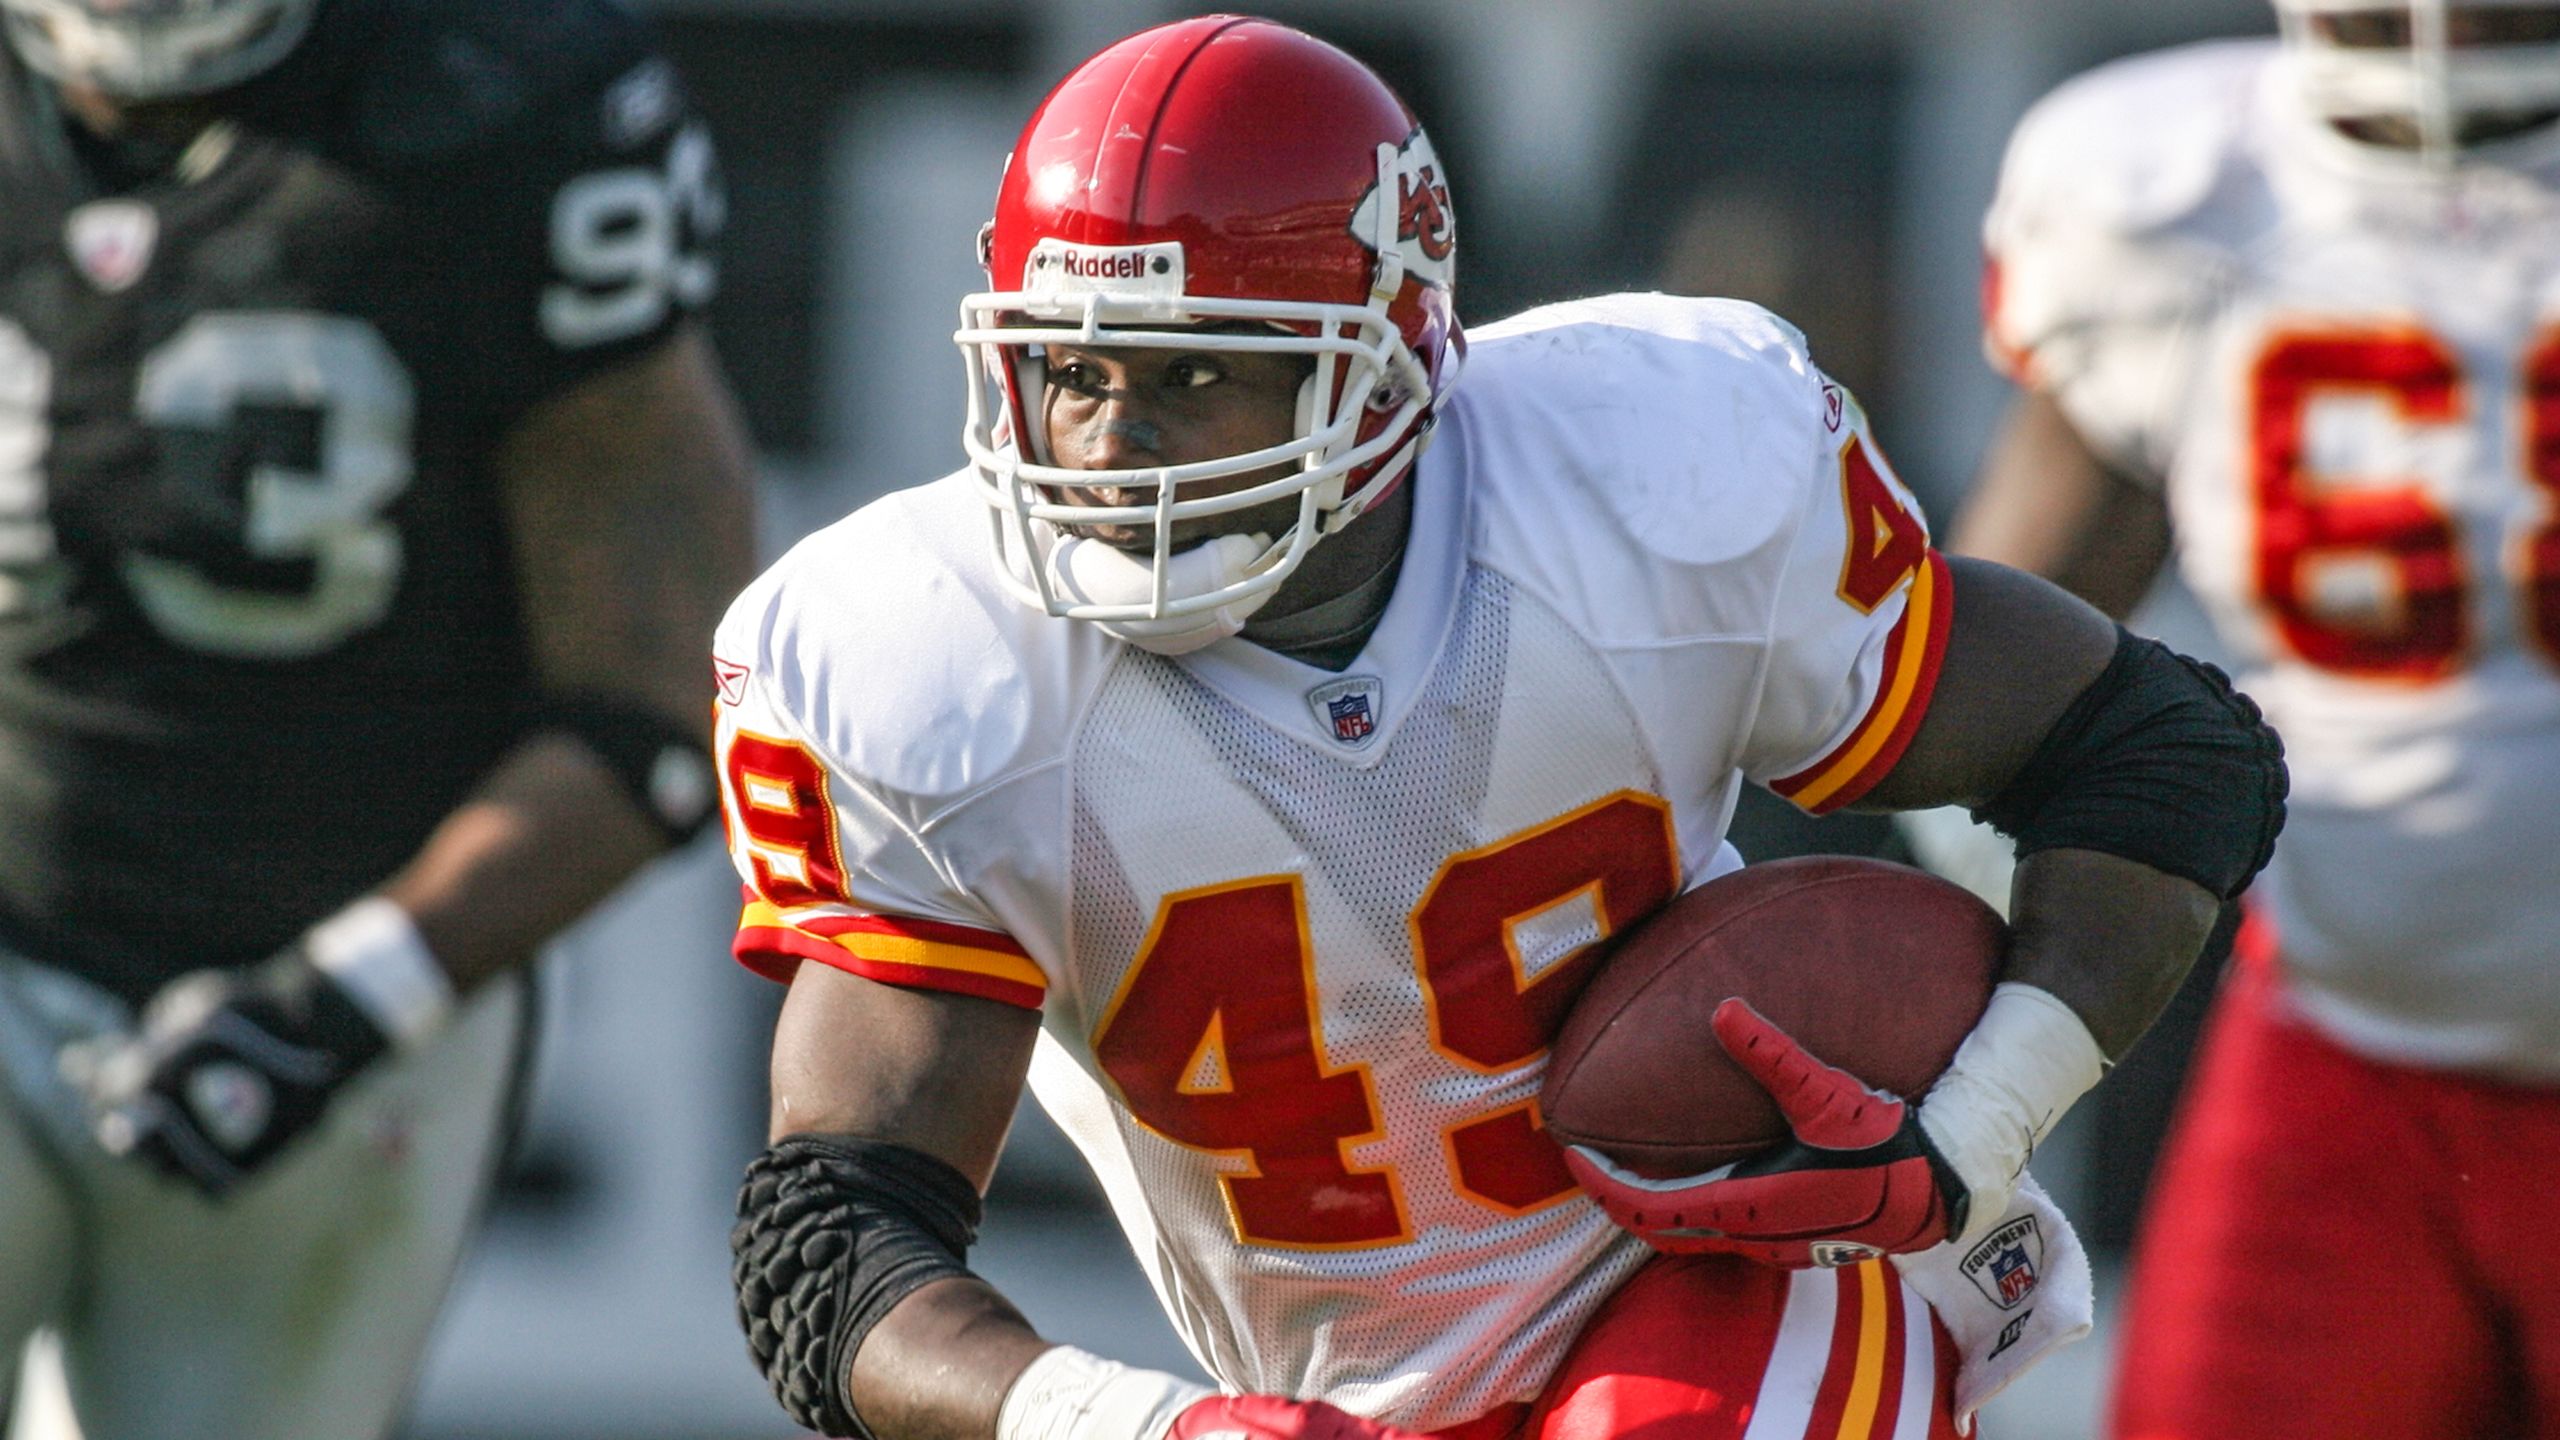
(1793, 1379)
(1919, 1363)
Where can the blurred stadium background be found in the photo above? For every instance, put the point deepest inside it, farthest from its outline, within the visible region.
(1829, 158)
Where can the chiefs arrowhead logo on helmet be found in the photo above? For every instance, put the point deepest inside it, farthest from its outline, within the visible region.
(1426, 226)
(1425, 214)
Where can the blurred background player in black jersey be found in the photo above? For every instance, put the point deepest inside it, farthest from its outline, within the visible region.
(350, 395)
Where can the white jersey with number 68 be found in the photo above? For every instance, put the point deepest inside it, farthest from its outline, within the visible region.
(2346, 366)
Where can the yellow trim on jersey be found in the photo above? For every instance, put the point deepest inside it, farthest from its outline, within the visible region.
(1899, 688)
(882, 949)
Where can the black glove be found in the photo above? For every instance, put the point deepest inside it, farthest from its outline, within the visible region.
(229, 1068)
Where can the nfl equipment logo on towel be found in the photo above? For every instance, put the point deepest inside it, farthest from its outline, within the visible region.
(1348, 709)
(2003, 1266)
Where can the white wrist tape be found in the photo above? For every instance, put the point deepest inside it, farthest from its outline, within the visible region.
(2027, 1060)
(372, 949)
(1070, 1394)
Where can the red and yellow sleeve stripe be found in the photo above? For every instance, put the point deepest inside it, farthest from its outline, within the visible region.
(916, 954)
(1911, 657)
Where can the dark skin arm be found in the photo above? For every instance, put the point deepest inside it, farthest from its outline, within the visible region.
(2107, 936)
(628, 507)
(2046, 504)
(941, 1074)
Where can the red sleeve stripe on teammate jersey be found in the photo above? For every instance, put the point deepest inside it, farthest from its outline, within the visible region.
(2010, 358)
(917, 954)
(1910, 674)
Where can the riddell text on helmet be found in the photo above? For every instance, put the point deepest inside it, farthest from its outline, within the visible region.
(1061, 267)
(1104, 267)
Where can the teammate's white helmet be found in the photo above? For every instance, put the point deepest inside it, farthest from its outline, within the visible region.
(2419, 61)
(155, 49)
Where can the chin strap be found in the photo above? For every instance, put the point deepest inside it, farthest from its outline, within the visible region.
(1089, 572)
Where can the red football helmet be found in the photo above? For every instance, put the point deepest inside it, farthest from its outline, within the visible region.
(1208, 172)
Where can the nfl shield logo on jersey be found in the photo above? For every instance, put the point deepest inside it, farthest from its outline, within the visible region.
(111, 241)
(1348, 709)
(2005, 1264)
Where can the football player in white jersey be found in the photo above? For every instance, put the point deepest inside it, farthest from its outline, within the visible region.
(2297, 303)
(1259, 786)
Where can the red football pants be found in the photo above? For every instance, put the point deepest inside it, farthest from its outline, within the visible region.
(1702, 1347)
(2337, 1248)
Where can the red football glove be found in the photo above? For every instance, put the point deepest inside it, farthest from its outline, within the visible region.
(1268, 1417)
(1860, 1178)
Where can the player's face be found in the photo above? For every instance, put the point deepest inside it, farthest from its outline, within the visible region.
(1131, 408)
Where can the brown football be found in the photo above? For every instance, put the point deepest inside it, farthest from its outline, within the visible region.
(1877, 968)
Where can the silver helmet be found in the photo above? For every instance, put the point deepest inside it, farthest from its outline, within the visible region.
(154, 49)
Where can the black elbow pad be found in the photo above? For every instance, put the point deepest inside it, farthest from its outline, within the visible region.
(832, 1231)
(661, 765)
(2159, 761)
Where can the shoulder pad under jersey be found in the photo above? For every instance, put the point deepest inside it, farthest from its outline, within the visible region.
(1634, 456)
(890, 646)
(2137, 144)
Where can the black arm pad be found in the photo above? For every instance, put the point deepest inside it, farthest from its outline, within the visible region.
(660, 764)
(2159, 761)
(832, 1231)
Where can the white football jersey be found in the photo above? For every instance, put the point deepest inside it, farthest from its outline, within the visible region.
(2346, 368)
(1300, 938)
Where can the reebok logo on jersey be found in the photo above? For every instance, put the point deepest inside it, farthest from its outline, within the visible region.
(1349, 709)
(731, 677)
(111, 241)
(1835, 407)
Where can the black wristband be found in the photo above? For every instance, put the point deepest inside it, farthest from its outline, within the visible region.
(663, 766)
